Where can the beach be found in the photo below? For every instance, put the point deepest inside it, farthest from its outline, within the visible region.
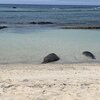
(50, 82)
(65, 37)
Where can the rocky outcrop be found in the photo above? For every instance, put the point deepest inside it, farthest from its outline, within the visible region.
(41, 23)
(81, 27)
(32, 23)
(45, 23)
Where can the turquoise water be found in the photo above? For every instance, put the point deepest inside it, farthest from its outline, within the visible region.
(26, 45)
(23, 42)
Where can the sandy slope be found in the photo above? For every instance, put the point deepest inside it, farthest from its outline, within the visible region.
(50, 82)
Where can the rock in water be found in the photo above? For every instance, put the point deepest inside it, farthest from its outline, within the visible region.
(2, 27)
(88, 54)
(41, 23)
(14, 7)
(50, 58)
(32, 23)
(45, 23)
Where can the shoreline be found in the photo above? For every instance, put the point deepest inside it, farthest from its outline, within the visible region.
(53, 63)
(49, 66)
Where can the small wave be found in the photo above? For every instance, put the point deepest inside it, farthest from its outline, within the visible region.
(50, 10)
(97, 7)
(21, 11)
(56, 9)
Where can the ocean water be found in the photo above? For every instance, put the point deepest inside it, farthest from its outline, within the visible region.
(22, 42)
(85, 15)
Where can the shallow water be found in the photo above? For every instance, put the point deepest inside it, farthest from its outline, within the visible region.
(25, 43)
(29, 45)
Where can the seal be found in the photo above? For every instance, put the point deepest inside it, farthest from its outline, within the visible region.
(88, 54)
(50, 58)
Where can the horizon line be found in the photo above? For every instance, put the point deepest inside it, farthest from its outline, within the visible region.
(49, 4)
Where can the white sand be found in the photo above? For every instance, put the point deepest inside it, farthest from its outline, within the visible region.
(50, 82)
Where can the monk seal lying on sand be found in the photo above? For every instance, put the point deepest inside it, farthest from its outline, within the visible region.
(50, 58)
(88, 54)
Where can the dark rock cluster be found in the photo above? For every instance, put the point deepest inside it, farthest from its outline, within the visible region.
(42, 23)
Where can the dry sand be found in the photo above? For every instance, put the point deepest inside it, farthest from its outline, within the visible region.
(50, 82)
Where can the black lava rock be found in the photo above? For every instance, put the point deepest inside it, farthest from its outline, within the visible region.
(45, 23)
(14, 7)
(32, 23)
